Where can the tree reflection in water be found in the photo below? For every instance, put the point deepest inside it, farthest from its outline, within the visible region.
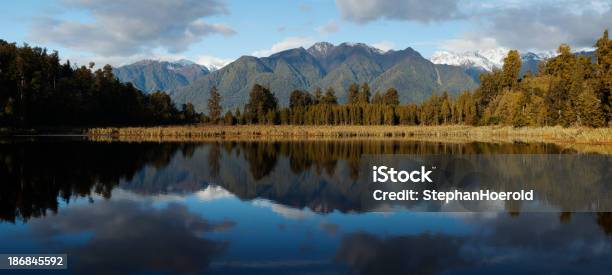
(34, 175)
(320, 175)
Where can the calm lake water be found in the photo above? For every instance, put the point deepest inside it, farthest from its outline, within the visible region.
(268, 207)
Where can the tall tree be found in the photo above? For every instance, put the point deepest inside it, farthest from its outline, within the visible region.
(353, 93)
(214, 105)
(261, 103)
(391, 97)
(330, 97)
(511, 69)
(603, 53)
(364, 94)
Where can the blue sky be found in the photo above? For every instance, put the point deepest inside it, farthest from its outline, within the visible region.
(216, 31)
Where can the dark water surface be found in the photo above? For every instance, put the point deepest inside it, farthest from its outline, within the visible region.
(268, 207)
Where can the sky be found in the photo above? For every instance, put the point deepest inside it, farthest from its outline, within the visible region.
(218, 31)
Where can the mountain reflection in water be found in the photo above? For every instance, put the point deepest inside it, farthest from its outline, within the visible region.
(270, 207)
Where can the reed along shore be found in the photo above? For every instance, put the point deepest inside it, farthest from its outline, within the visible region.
(555, 134)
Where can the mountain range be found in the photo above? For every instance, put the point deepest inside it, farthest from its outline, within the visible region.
(152, 75)
(322, 65)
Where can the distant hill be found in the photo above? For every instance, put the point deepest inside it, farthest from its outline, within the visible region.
(326, 65)
(152, 75)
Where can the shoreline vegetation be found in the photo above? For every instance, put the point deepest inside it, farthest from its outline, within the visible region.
(556, 134)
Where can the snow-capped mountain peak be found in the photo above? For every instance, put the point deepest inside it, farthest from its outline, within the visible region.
(321, 48)
(483, 59)
(466, 59)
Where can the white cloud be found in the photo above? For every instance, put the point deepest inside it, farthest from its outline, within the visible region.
(384, 45)
(285, 211)
(330, 27)
(212, 193)
(545, 26)
(516, 24)
(285, 44)
(363, 11)
(540, 26)
(125, 28)
(469, 42)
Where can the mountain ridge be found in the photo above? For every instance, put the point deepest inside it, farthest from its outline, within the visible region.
(321, 65)
(326, 65)
(150, 75)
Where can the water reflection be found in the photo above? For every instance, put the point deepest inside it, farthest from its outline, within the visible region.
(250, 207)
(35, 175)
(320, 175)
(130, 237)
(534, 243)
(426, 253)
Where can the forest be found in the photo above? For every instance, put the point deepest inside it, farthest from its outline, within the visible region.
(568, 90)
(37, 90)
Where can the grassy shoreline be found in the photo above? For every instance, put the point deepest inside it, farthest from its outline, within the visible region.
(602, 136)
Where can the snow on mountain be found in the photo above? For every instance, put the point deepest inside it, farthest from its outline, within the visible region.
(467, 59)
(213, 68)
(321, 48)
(483, 59)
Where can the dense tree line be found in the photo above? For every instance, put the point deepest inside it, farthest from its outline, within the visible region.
(569, 90)
(37, 90)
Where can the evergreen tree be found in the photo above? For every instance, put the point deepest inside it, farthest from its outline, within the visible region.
(391, 97)
(214, 105)
(330, 97)
(162, 107)
(353, 94)
(261, 102)
(603, 53)
(364, 94)
(511, 69)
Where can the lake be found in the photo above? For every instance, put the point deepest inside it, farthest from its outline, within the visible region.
(284, 207)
